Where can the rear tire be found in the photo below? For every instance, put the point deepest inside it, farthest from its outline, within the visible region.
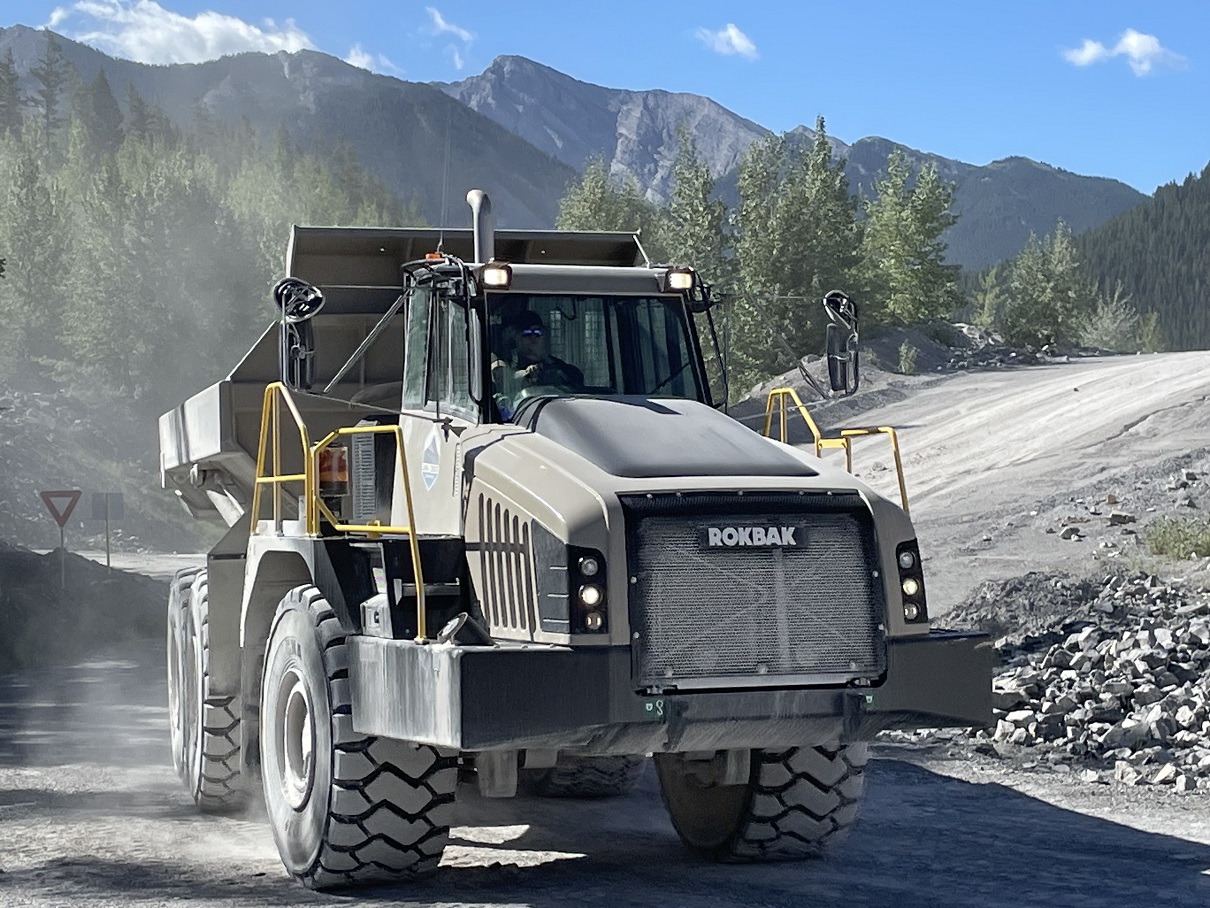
(210, 723)
(798, 803)
(586, 777)
(346, 809)
(178, 607)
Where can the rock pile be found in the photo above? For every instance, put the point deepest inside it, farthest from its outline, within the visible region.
(1117, 688)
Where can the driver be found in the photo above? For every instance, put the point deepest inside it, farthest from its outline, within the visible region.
(528, 363)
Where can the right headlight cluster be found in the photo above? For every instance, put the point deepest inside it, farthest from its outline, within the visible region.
(911, 582)
(589, 608)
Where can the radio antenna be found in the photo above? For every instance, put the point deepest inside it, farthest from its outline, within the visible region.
(445, 181)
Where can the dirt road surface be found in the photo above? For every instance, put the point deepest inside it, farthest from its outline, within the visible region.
(91, 813)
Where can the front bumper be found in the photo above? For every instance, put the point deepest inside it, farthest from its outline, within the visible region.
(480, 698)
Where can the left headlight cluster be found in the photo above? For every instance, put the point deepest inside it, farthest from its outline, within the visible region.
(589, 602)
(911, 582)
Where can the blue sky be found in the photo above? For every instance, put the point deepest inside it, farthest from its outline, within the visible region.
(1101, 87)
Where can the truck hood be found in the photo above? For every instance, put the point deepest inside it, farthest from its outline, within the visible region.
(647, 438)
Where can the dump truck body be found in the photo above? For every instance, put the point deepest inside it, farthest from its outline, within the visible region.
(530, 573)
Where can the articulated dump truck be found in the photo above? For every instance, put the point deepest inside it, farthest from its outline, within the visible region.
(488, 524)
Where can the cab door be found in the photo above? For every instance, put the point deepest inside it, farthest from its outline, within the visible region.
(437, 407)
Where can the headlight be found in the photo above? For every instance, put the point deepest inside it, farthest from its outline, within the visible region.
(498, 275)
(589, 566)
(679, 279)
(590, 595)
(911, 583)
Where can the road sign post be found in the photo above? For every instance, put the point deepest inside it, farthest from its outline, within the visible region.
(107, 506)
(60, 503)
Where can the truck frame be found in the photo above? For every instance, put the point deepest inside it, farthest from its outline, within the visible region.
(441, 562)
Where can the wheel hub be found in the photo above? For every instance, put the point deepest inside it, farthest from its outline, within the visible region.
(296, 741)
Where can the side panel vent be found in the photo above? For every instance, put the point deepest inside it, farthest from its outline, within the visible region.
(507, 569)
(365, 501)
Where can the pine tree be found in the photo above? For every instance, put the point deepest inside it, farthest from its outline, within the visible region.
(51, 73)
(693, 224)
(906, 278)
(10, 97)
(795, 240)
(98, 110)
(596, 202)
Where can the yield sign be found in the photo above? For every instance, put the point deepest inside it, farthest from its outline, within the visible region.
(61, 504)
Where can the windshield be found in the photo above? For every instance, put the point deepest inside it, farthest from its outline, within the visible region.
(598, 345)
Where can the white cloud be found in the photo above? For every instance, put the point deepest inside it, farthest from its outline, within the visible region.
(359, 58)
(143, 30)
(728, 40)
(441, 25)
(377, 63)
(456, 57)
(1142, 52)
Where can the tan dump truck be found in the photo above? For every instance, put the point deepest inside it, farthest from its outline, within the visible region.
(486, 520)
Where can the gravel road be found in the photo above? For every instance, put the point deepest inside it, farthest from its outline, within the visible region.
(91, 813)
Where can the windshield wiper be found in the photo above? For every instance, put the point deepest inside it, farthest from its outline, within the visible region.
(660, 387)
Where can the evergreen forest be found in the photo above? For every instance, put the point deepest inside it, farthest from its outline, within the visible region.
(1158, 255)
(139, 256)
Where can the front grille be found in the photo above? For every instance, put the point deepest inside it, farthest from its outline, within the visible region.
(765, 613)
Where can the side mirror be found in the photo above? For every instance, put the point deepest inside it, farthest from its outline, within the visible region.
(299, 303)
(841, 342)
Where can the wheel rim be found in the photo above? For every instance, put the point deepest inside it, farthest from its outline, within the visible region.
(174, 692)
(191, 706)
(296, 740)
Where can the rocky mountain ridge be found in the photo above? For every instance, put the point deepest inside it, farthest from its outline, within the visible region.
(636, 133)
(522, 131)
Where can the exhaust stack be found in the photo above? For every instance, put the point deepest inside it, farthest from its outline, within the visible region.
(484, 225)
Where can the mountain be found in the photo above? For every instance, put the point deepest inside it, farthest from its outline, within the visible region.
(523, 131)
(636, 133)
(1160, 252)
(1001, 203)
(399, 130)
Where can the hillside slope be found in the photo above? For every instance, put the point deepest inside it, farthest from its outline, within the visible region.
(998, 463)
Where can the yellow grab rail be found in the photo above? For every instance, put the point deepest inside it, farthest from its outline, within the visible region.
(779, 402)
(374, 529)
(276, 392)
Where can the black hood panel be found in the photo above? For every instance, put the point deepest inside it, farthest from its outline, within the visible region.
(644, 438)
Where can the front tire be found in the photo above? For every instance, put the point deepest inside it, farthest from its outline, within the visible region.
(346, 809)
(797, 803)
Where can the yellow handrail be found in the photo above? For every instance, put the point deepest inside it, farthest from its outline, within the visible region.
(778, 398)
(315, 506)
(374, 529)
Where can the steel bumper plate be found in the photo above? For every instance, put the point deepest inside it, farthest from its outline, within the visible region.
(478, 698)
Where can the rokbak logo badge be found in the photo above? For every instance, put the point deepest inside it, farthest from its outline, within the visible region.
(750, 537)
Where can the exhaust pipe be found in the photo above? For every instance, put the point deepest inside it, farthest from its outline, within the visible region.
(484, 225)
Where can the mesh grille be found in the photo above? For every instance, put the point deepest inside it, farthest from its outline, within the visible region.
(733, 616)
